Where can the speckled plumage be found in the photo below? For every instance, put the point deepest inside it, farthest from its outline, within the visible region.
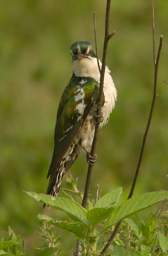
(75, 123)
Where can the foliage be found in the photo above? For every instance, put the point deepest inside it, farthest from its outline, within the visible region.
(35, 67)
(92, 225)
(11, 245)
(142, 233)
(50, 244)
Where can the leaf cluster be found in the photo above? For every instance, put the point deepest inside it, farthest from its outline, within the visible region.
(93, 225)
(11, 245)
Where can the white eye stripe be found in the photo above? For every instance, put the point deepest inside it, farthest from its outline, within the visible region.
(78, 49)
(88, 50)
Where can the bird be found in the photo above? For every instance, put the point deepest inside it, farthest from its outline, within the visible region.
(76, 115)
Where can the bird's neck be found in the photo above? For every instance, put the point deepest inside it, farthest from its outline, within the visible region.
(86, 67)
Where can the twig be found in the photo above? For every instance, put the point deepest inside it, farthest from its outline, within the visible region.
(156, 66)
(153, 32)
(111, 238)
(107, 37)
(95, 40)
(156, 60)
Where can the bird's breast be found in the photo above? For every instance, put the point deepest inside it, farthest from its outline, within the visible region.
(88, 67)
(110, 96)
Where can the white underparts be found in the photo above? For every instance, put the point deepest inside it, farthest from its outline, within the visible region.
(88, 67)
(79, 99)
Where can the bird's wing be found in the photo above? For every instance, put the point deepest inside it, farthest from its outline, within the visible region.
(76, 102)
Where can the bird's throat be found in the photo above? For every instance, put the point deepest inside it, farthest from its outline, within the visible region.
(86, 67)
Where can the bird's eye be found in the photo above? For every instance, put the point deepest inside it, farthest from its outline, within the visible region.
(75, 51)
(86, 51)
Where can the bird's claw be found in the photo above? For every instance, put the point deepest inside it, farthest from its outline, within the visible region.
(99, 118)
(91, 159)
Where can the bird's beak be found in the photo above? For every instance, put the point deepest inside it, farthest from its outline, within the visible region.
(82, 56)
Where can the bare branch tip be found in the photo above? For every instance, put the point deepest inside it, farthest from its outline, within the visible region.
(114, 33)
(161, 37)
(111, 35)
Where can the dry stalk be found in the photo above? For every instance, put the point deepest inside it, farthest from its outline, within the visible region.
(107, 37)
(156, 61)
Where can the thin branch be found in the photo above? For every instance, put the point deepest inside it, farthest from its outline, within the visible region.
(107, 37)
(111, 238)
(95, 40)
(144, 140)
(99, 103)
(153, 31)
(156, 60)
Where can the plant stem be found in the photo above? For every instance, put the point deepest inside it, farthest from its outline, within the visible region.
(156, 61)
(107, 37)
(144, 140)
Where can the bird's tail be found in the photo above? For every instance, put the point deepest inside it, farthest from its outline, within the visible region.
(56, 180)
(57, 171)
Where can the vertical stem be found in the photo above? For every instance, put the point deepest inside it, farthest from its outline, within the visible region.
(156, 60)
(107, 37)
(153, 32)
(95, 40)
(144, 140)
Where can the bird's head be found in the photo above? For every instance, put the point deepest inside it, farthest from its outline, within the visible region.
(82, 49)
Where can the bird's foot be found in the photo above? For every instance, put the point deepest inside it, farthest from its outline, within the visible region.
(91, 159)
(99, 118)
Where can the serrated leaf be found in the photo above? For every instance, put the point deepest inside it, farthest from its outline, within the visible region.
(110, 199)
(163, 242)
(135, 204)
(97, 215)
(65, 204)
(75, 227)
(104, 206)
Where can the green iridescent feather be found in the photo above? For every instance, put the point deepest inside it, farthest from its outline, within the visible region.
(69, 118)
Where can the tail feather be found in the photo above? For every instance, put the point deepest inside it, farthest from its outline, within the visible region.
(55, 181)
(57, 172)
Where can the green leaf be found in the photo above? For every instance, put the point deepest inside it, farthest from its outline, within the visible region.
(97, 215)
(145, 250)
(163, 242)
(2, 252)
(121, 251)
(134, 227)
(65, 204)
(104, 206)
(135, 204)
(76, 227)
(12, 234)
(110, 199)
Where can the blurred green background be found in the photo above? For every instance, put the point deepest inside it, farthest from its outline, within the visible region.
(35, 66)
